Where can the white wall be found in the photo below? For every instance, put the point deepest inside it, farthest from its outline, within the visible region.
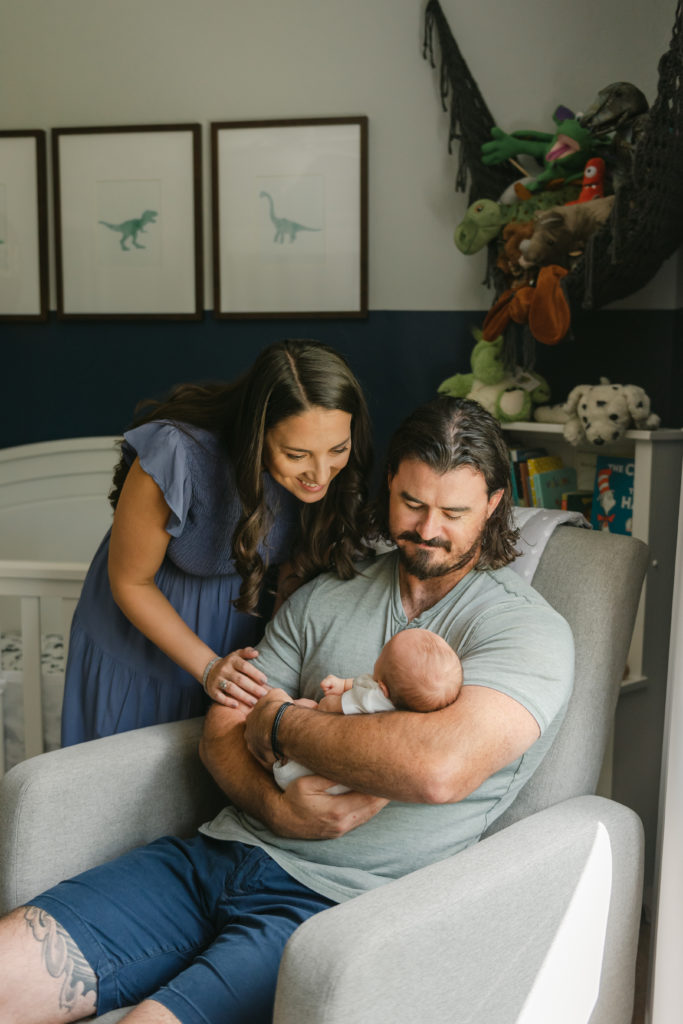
(105, 62)
(666, 993)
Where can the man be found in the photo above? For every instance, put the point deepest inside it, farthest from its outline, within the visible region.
(193, 931)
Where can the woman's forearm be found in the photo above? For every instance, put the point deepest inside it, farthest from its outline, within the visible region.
(137, 549)
(150, 612)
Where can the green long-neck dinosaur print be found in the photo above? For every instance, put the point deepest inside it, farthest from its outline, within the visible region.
(284, 226)
(131, 228)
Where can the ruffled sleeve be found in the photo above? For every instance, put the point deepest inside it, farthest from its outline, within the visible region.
(162, 450)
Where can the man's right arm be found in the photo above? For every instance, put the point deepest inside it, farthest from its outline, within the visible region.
(303, 811)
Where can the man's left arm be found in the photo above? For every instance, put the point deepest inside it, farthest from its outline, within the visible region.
(439, 757)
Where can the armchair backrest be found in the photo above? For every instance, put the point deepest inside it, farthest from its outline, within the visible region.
(594, 580)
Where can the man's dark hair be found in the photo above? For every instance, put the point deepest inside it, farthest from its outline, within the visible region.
(447, 433)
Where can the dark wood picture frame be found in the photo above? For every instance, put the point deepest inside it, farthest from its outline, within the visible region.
(312, 262)
(24, 289)
(126, 201)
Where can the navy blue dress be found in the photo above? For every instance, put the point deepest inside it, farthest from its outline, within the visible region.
(117, 679)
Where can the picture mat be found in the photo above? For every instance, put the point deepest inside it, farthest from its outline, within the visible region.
(19, 227)
(157, 280)
(313, 174)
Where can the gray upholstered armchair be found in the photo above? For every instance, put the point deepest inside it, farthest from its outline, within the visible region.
(536, 923)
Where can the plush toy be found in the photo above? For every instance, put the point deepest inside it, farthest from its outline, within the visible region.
(600, 413)
(508, 396)
(593, 184)
(486, 218)
(618, 115)
(543, 306)
(563, 154)
(560, 235)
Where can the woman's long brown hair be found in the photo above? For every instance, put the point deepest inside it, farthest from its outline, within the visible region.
(286, 379)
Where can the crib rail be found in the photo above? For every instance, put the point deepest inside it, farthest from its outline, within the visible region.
(35, 584)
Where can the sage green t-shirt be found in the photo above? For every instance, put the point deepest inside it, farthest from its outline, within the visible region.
(508, 638)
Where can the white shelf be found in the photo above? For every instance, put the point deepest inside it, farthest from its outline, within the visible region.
(657, 455)
(655, 436)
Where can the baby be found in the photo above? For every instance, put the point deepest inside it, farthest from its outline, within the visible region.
(416, 671)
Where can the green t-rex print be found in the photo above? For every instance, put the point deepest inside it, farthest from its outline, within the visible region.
(131, 228)
(284, 226)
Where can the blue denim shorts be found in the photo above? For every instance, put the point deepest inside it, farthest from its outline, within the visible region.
(198, 925)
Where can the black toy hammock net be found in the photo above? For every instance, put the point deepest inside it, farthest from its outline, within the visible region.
(646, 223)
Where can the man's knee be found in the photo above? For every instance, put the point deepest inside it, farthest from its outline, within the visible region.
(45, 974)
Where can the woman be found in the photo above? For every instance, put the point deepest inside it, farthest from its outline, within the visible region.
(216, 486)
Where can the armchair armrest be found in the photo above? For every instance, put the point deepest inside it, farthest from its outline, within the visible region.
(537, 922)
(68, 810)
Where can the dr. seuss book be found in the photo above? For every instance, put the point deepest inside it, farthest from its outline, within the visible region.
(613, 495)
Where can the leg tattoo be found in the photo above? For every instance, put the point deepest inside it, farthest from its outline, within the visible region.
(62, 958)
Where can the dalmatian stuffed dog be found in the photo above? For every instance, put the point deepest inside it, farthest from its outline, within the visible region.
(600, 413)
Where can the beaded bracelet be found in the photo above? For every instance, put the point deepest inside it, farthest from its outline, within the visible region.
(275, 747)
(207, 670)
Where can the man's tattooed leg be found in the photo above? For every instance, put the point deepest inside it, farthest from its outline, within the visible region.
(62, 958)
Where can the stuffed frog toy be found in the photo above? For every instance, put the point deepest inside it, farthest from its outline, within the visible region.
(508, 396)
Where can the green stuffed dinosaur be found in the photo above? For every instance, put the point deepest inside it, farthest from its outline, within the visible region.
(507, 396)
(563, 155)
(485, 217)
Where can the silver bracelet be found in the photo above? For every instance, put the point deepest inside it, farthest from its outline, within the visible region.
(205, 676)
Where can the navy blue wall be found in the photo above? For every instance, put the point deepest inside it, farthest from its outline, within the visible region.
(70, 379)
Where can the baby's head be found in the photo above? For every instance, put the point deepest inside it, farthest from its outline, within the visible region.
(419, 671)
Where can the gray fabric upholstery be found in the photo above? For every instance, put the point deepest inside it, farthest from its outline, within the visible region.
(465, 940)
(594, 580)
(63, 812)
(470, 939)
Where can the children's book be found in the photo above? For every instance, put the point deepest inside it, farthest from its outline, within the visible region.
(540, 463)
(527, 500)
(549, 486)
(536, 466)
(519, 456)
(578, 501)
(613, 494)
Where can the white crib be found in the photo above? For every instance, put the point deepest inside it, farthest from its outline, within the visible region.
(53, 514)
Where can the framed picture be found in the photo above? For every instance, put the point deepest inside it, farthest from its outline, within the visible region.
(128, 222)
(23, 226)
(289, 213)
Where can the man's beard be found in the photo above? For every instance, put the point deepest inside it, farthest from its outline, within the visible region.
(422, 567)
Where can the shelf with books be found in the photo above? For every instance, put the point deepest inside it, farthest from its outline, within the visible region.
(657, 456)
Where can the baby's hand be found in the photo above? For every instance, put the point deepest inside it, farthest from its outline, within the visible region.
(333, 684)
(331, 702)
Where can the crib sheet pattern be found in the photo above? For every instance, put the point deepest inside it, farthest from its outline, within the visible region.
(11, 697)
